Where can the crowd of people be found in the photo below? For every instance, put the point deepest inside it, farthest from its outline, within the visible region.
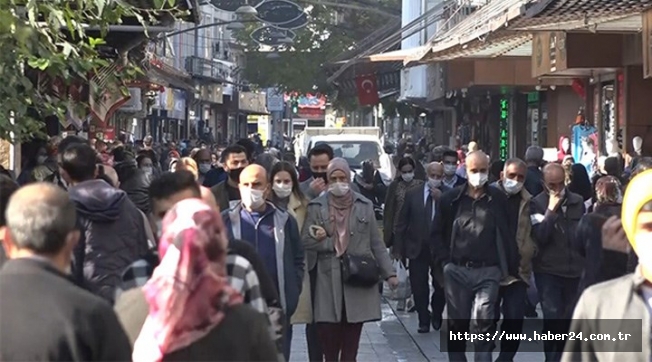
(191, 253)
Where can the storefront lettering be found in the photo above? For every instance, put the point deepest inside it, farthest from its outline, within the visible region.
(504, 129)
(553, 52)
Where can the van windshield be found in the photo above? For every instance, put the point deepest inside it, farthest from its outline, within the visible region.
(354, 152)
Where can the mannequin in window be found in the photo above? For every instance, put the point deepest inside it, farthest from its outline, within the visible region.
(637, 143)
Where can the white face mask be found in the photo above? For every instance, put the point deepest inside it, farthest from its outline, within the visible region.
(339, 188)
(433, 184)
(478, 179)
(512, 187)
(159, 229)
(41, 159)
(252, 198)
(449, 170)
(407, 177)
(282, 190)
(204, 168)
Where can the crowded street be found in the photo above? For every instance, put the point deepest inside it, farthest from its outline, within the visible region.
(325, 181)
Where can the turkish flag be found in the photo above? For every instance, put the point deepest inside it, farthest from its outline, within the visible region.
(367, 90)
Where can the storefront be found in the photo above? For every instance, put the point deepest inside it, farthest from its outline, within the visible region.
(210, 124)
(168, 118)
(249, 103)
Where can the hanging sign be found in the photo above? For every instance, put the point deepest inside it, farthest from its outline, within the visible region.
(278, 11)
(297, 23)
(233, 5)
(271, 36)
(504, 129)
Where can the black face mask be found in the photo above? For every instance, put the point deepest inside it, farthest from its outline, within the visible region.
(321, 175)
(234, 174)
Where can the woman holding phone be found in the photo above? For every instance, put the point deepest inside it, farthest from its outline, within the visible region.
(341, 228)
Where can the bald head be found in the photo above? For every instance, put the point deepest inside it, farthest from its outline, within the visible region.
(435, 170)
(253, 187)
(554, 177)
(41, 218)
(254, 176)
(477, 160)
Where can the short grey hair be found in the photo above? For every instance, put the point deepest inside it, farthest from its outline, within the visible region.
(534, 154)
(514, 161)
(40, 217)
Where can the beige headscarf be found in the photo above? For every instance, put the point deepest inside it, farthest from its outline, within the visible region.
(340, 207)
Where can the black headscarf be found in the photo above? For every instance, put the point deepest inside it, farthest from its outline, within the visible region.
(580, 183)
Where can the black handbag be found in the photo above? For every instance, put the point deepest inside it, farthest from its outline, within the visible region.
(360, 271)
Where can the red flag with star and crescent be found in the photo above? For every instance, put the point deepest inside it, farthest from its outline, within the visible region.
(367, 90)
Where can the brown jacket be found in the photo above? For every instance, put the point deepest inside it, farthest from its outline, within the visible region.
(526, 246)
(242, 335)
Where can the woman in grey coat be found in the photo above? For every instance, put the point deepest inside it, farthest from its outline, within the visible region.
(342, 221)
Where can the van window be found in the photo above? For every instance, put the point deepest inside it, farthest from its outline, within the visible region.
(354, 152)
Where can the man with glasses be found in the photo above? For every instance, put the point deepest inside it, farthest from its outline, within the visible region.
(558, 266)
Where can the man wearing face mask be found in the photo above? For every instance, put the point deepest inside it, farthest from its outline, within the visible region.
(513, 291)
(450, 161)
(478, 250)
(203, 159)
(275, 235)
(417, 219)
(558, 266)
(227, 193)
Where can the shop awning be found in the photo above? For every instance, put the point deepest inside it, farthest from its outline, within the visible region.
(493, 46)
(592, 15)
(477, 27)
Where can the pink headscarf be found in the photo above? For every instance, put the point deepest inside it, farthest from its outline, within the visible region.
(189, 290)
(340, 207)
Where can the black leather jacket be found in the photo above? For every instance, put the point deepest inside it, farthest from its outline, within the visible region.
(135, 183)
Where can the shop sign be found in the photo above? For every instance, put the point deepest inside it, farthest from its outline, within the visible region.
(211, 93)
(252, 102)
(647, 43)
(504, 129)
(178, 110)
(548, 53)
(275, 100)
(134, 104)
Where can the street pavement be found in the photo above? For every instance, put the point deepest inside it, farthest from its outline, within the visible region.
(395, 339)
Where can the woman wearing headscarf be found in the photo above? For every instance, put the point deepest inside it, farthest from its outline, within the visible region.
(340, 227)
(601, 263)
(187, 311)
(580, 182)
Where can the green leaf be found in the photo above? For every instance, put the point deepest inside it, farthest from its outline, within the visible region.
(38, 63)
(100, 4)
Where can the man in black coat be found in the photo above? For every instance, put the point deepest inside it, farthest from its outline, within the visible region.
(478, 252)
(43, 315)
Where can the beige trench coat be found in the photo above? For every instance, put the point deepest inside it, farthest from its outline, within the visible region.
(362, 304)
(303, 314)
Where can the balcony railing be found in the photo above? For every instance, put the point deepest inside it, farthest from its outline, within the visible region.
(207, 68)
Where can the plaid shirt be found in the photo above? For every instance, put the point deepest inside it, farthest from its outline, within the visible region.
(241, 274)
